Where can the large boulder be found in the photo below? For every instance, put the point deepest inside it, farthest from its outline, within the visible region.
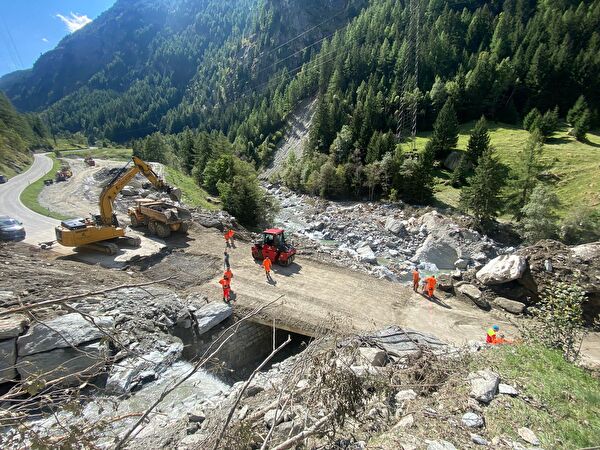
(436, 251)
(70, 330)
(484, 385)
(394, 226)
(8, 358)
(587, 252)
(211, 315)
(471, 292)
(502, 269)
(12, 326)
(68, 364)
(511, 306)
(366, 254)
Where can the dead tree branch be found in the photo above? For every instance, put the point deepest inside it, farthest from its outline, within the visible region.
(304, 434)
(232, 329)
(69, 298)
(244, 387)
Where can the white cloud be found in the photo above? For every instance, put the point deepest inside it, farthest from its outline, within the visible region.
(44, 40)
(75, 21)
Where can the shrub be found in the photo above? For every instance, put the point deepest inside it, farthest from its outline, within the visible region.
(559, 319)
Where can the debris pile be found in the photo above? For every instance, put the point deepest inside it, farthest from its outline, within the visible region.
(385, 239)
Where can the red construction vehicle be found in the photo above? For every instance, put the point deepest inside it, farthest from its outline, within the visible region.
(89, 161)
(274, 246)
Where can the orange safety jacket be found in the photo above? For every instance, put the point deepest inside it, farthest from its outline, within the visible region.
(431, 282)
(490, 337)
(267, 264)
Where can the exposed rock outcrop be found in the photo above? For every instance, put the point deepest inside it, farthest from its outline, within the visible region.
(65, 331)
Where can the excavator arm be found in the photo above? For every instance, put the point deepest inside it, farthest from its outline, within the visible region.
(112, 189)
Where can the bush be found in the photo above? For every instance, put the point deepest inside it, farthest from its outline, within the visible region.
(580, 226)
(559, 320)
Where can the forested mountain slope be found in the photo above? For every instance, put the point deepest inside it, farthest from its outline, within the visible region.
(18, 134)
(120, 75)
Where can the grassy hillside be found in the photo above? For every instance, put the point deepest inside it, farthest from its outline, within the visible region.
(557, 400)
(193, 195)
(115, 154)
(575, 165)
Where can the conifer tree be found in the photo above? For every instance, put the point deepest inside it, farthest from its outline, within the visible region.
(526, 170)
(479, 141)
(577, 110)
(445, 131)
(539, 215)
(582, 125)
(482, 197)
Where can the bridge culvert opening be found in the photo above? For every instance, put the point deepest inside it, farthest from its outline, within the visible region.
(245, 350)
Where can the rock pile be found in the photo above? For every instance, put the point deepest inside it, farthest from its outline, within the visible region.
(386, 240)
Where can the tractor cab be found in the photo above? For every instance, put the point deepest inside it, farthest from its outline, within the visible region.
(274, 246)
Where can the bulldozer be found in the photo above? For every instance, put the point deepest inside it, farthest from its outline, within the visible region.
(102, 231)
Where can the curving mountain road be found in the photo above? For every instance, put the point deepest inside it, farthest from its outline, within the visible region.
(39, 228)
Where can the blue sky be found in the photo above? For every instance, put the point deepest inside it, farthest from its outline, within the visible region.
(29, 28)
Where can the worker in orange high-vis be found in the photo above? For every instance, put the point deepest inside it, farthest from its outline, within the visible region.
(226, 289)
(228, 236)
(416, 278)
(228, 274)
(267, 265)
(431, 282)
(491, 336)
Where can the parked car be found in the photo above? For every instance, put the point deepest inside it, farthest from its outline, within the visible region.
(3, 179)
(11, 229)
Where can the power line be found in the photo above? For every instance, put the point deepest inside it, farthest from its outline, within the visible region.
(299, 51)
(304, 32)
(12, 42)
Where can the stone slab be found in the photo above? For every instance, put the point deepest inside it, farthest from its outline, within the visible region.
(70, 330)
(211, 315)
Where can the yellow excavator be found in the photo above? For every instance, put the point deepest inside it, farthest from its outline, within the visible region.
(95, 233)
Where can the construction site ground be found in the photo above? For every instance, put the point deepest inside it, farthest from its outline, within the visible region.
(314, 295)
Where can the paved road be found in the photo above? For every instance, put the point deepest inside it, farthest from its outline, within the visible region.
(39, 228)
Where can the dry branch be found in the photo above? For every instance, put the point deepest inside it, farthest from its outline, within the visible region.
(244, 387)
(304, 434)
(195, 369)
(68, 298)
